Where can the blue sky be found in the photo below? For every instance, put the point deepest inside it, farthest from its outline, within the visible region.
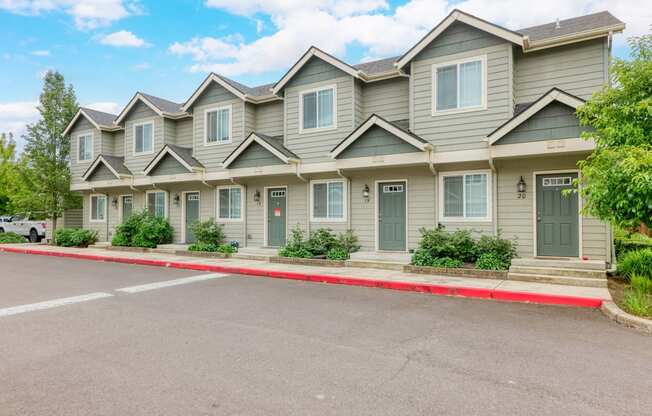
(109, 49)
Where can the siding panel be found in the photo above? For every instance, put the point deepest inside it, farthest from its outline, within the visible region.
(389, 99)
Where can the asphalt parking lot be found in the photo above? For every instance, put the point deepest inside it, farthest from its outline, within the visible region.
(171, 342)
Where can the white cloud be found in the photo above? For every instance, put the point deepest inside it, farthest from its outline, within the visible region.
(335, 25)
(105, 106)
(87, 14)
(123, 39)
(14, 117)
(41, 53)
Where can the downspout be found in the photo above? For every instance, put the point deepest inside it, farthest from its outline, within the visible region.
(494, 193)
(107, 215)
(340, 173)
(203, 178)
(298, 173)
(433, 170)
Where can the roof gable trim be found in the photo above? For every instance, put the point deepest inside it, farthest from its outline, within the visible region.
(133, 102)
(96, 163)
(167, 150)
(253, 138)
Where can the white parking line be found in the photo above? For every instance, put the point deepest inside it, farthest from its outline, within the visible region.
(168, 283)
(14, 310)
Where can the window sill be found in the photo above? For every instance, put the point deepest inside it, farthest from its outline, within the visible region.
(217, 143)
(464, 219)
(328, 220)
(436, 113)
(138, 154)
(228, 220)
(317, 130)
(97, 221)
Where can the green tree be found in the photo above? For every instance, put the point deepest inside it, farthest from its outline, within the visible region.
(47, 150)
(7, 171)
(617, 177)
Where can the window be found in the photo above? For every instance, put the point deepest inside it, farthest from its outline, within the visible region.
(157, 203)
(98, 208)
(328, 200)
(465, 196)
(558, 181)
(459, 85)
(229, 203)
(85, 147)
(318, 109)
(143, 138)
(218, 125)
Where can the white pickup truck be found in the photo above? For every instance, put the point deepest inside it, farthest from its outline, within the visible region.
(21, 224)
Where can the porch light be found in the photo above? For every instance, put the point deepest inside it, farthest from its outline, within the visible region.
(257, 196)
(521, 187)
(176, 199)
(365, 192)
(114, 202)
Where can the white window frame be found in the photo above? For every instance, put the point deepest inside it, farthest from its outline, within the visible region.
(440, 195)
(90, 207)
(167, 200)
(210, 110)
(345, 199)
(316, 90)
(133, 138)
(458, 62)
(84, 135)
(217, 203)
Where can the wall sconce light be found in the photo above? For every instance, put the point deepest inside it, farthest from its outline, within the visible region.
(177, 199)
(521, 187)
(114, 202)
(257, 196)
(365, 192)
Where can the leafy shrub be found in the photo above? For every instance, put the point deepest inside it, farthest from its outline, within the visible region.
(125, 232)
(296, 246)
(463, 246)
(143, 230)
(208, 232)
(348, 241)
(490, 261)
(641, 283)
(456, 245)
(504, 250)
(213, 248)
(638, 262)
(227, 249)
(337, 253)
(637, 302)
(321, 241)
(447, 263)
(74, 237)
(422, 257)
(11, 238)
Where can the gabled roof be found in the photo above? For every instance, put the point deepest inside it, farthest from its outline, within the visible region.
(182, 154)
(160, 106)
(555, 31)
(459, 16)
(376, 120)
(315, 52)
(272, 145)
(113, 163)
(524, 114)
(99, 119)
(244, 92)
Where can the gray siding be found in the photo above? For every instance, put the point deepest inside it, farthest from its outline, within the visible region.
(118, 143)
(168, 166)
(169, 131)
(141, 113)
(389, 99)
(579, 69)
(255, 155)
(376, 142)
(462, 130)
(184, 132)
(357, 102)
(102, 173)
(555, 121)
(249, 118)
(73, 218)
(315, 71)
(269, 118)
(77, 168)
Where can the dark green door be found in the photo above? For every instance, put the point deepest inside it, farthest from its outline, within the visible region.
(192, 214)
(127, 206)
(391, 215)
(276, 212)
(557, 216)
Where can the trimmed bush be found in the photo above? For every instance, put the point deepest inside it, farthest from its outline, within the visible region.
(638, 262)
(74, 237)
(213, 248)
(11, 238)
(321, 242)
(422, 257)
(447, 263)
(490, 261)
(143, 230)
(348, 241)
(502, 249)
(208, 232)
(456, 245)
(337, 253)
(296, 246)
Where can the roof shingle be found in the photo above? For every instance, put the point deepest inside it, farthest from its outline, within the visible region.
(570, 26)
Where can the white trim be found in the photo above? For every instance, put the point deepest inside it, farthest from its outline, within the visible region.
(457, 63)
(345, 190)
(90, 208)
(133, 137)
(377, 217)
(316, 90)
(457, 15)
(553, 95)
(93, 166)
(378, 121)
(217, 204)
(161, 154)
(305, 58)
(88, 133)
(183, 213)
(213, 109)
(212, 77)
(121, 206)
(265, 243)
(580, 249)
(167, 201)
(463, 173)
(248, 141)
(132, 103)
(542, 147)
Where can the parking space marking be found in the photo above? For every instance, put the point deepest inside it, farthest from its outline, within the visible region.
(14, 310)
(168, 283)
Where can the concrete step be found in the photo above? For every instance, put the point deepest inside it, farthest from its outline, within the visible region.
(245, 256)
(560, 263)
(373, 264)
(558, 280)
(556, 271)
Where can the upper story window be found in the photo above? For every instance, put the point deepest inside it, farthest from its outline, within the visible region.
(328, 201)
(459, 85)
(218, 125)
(98, 208)
(85, 147)
(157, 203)
(465, 196)
(229, 203)
(143, 138)
(318, 108)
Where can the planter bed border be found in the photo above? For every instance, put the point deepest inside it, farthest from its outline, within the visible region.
(307, 262)
(461, 271)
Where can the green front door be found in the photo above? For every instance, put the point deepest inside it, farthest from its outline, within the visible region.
(391, 215)
(557, 216)
(192, 214)
(127, 206)
(276, 212)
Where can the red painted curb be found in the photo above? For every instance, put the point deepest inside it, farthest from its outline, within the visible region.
(467, 292)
